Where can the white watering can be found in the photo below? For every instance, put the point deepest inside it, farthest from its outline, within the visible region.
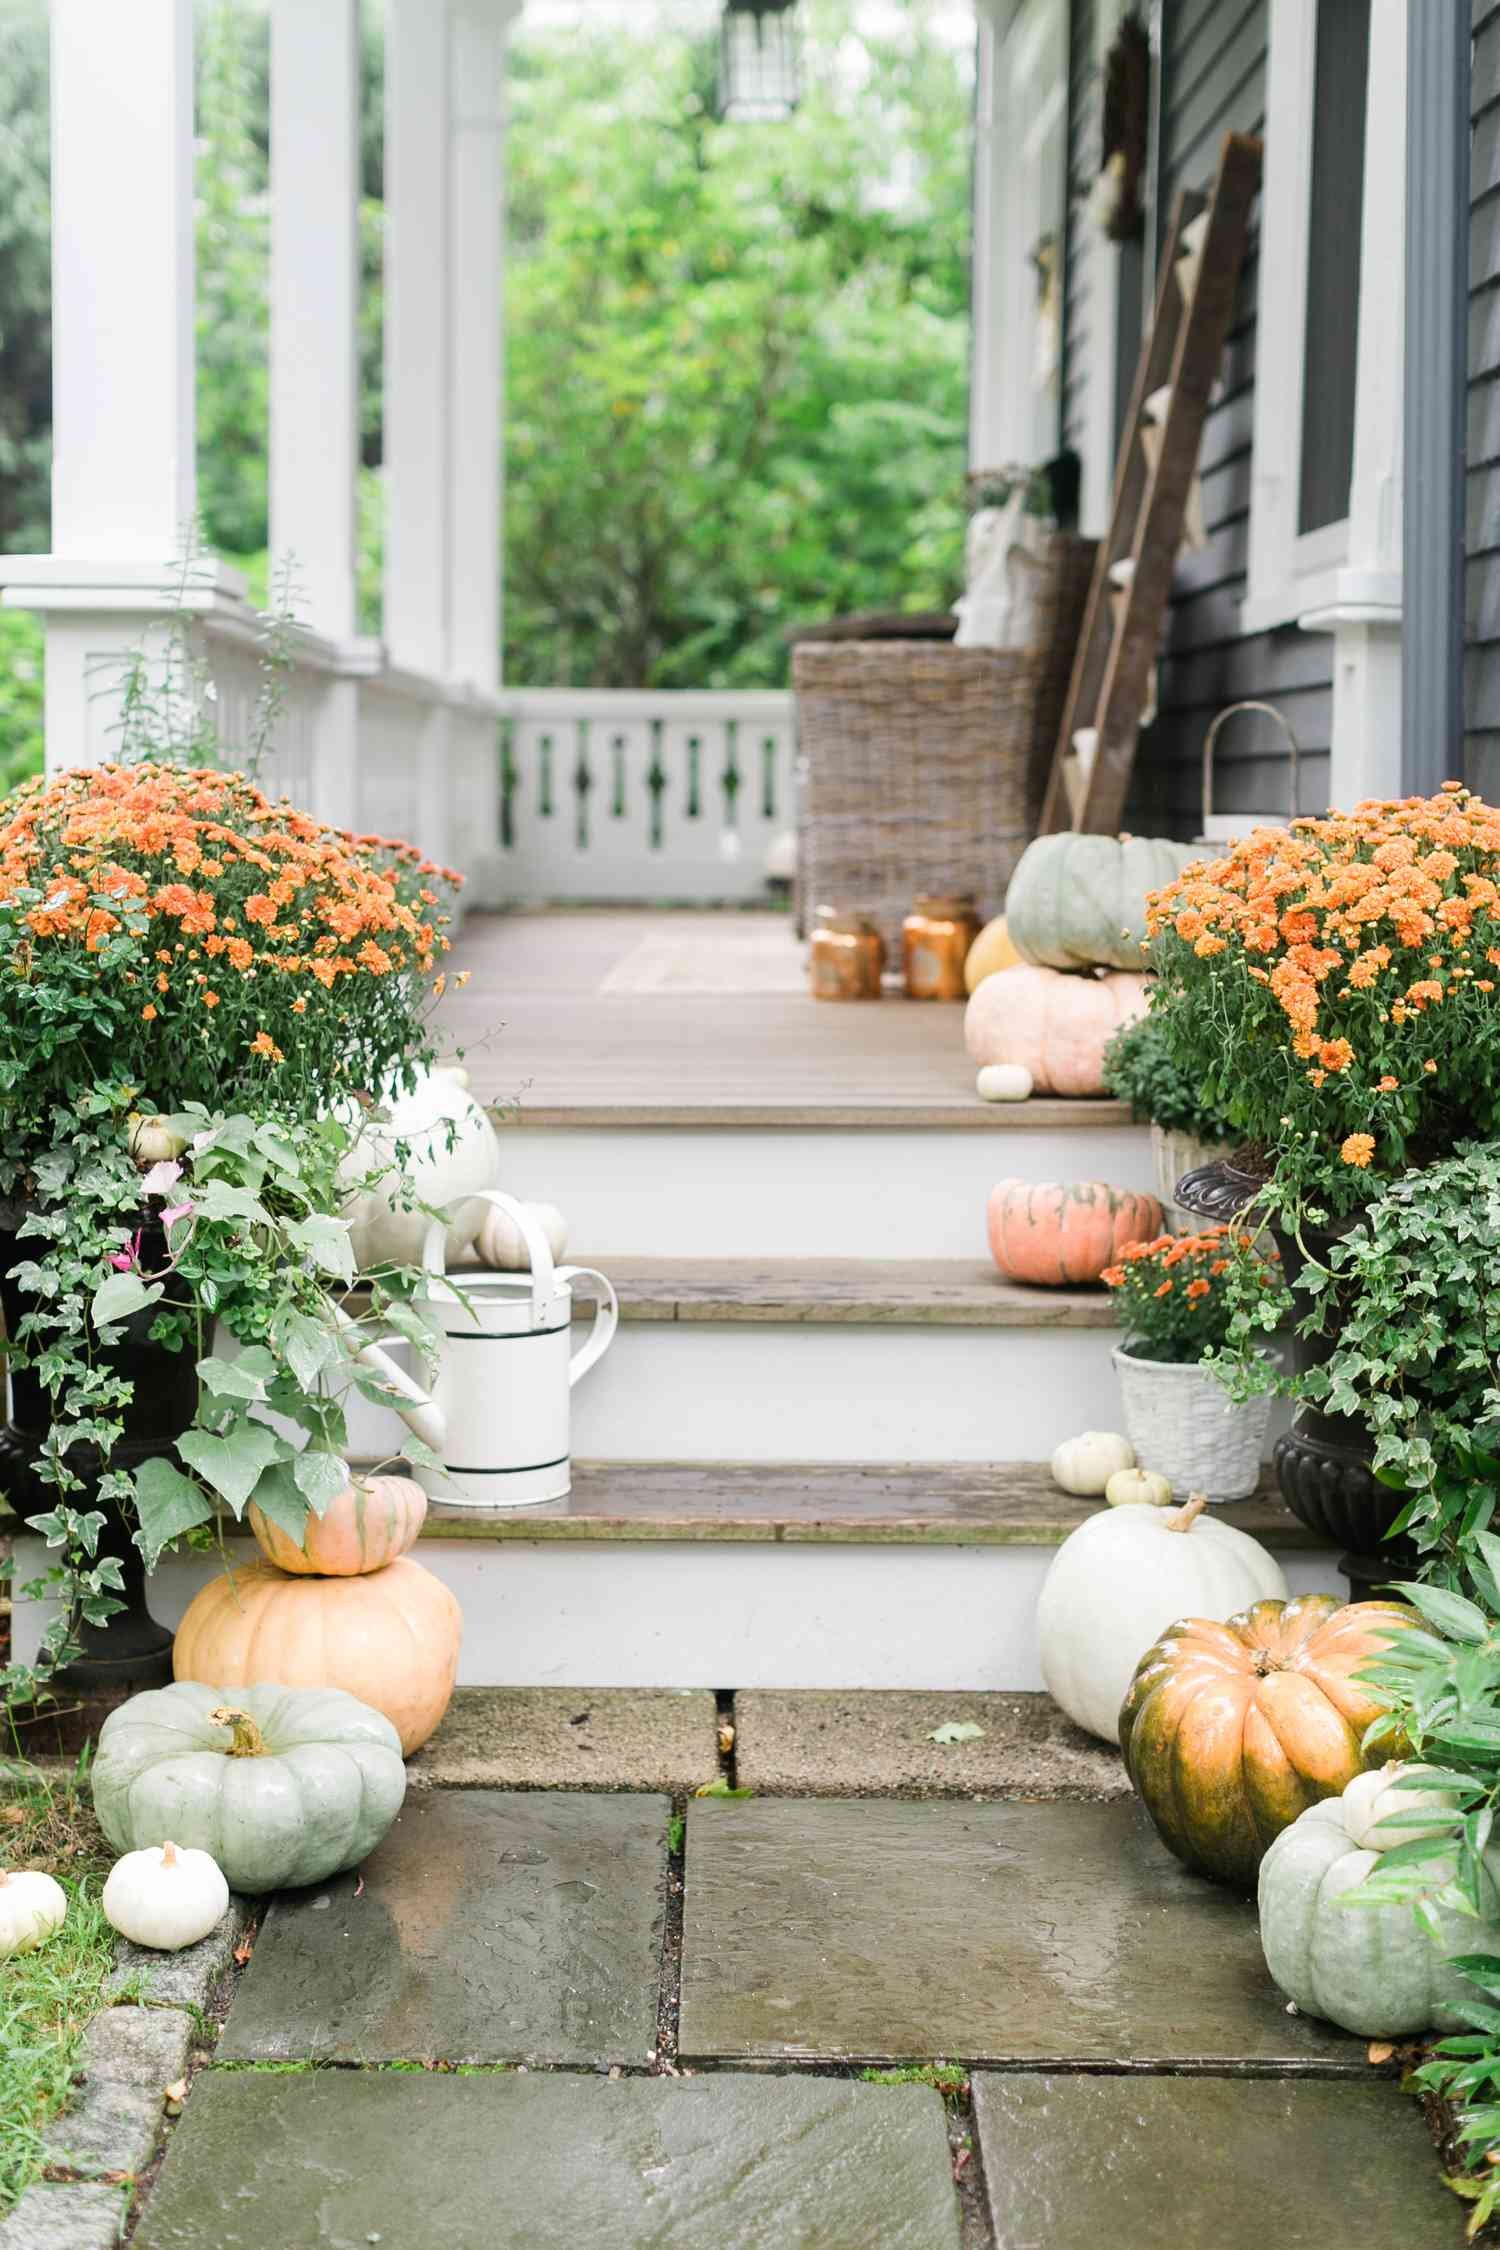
(506, 1372)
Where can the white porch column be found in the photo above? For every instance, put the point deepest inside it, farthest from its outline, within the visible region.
(315, 305)
(987, 308)
(123, 483)
(476, 150)
(418, 285)
(1365, 616)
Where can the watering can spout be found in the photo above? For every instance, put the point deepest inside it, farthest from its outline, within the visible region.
(420, 1412)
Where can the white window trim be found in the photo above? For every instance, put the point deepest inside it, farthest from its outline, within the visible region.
(1321, 579)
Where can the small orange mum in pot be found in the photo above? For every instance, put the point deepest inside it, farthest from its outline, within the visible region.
(1175, 1296)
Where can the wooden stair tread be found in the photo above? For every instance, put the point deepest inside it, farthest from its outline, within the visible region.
(895, 1292)
(1042, 1113)
(1004, 1504)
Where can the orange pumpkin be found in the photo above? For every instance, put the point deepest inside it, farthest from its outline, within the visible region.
(1056, 1023)
(391, 1639)
(367, 1526)
(1230, 1731)
(1063, 1236)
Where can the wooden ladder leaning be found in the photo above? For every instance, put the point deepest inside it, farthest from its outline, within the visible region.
(1132, 583)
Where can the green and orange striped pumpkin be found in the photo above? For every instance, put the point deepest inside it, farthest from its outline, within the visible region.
(371, 1522)
(1064, 1235)
(1231, 1731)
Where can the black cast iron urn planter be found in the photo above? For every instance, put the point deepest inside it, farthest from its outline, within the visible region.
(1324, 1463)
(130, 1650)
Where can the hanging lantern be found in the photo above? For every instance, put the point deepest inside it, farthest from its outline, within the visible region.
(758, 74)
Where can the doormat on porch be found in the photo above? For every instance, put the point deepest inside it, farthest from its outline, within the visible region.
(733, 961)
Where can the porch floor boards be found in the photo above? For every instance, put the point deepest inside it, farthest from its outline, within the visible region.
(538, 1027)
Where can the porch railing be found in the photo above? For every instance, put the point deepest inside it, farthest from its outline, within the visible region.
(683, 797)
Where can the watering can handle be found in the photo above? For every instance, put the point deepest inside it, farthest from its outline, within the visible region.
(539, 1249)
(606, 1321)
(421, 1413)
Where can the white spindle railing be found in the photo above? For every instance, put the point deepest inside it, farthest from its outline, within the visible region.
(676, 796)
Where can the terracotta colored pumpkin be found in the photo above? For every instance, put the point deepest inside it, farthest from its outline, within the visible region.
(1057, 1026)
(1231, 1731)
(1079, 901)
(390, 1639)
(369, 1524)
(1064, 1235)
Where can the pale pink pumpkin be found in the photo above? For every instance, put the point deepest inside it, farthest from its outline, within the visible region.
(1064, 1235)
(372, 1521)
(1055, 1022)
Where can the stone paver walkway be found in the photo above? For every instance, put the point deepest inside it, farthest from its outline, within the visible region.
(506, 1979)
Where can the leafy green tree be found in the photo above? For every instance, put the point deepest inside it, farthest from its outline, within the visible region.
(736, 354)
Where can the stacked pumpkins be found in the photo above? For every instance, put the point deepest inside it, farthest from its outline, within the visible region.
(345, 1607)
(1074, 926)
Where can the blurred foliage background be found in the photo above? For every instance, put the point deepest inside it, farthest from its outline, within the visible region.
(736, 356)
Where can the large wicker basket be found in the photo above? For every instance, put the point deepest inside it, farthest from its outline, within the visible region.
(922, 766)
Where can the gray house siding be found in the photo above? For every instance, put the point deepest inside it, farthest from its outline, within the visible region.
(1482, 468)
(1213, 64)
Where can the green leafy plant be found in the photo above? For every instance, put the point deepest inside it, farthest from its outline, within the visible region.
(1176, 1296)
(1141, 1066)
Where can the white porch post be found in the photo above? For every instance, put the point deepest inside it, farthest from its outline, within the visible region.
(418, 283)
(123, 481)
(314, 361)
(1365, 618)
(476, 358)
(315, 304)
(988, 310)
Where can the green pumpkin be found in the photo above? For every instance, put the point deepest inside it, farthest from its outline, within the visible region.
(1372, 1970)
(1079, 902)
(282, 1785)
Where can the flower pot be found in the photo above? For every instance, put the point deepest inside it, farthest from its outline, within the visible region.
(1173, 1155)
(1324, 1462)
(1184, 1425)
(130, 1650)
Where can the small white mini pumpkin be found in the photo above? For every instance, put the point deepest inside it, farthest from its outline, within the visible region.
(1003, 1082)
(502, 1247)
(32, 1906)
(164, 1897)
(1138, 1488)
(1084, 1465)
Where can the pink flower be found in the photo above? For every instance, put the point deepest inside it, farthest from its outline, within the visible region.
(176, 1211)
(124, 1261)
(161, 1177)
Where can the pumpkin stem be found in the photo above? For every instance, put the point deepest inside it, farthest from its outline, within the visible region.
(248, 1741)
(1184, 1518)
(169, 1855)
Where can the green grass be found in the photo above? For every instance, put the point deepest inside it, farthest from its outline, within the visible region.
(949, 2078)
(47, 1997)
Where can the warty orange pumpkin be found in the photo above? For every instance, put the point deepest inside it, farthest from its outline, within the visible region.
(1063, 1235)
(391, 1639)
(370, 1523)
(1231, 1731)
(1056, 1025)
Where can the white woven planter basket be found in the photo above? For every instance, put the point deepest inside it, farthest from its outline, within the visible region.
(1184, 1426)
(1174, 1155)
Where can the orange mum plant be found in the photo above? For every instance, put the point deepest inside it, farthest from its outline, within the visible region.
(1333, 989)
(1177, 1294)
(177, 930)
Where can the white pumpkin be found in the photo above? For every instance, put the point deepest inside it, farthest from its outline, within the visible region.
(165, 1896)
(1084, 1465)
(1138, 1488)
(1380, 1808)
(32, 1906)
(382, 1230)
(1118, 1582)
(500, 1243)
(1373, 1970)
(1004, 1082)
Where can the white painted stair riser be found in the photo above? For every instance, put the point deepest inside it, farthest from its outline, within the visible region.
(781, 1192)
(585, 1613)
